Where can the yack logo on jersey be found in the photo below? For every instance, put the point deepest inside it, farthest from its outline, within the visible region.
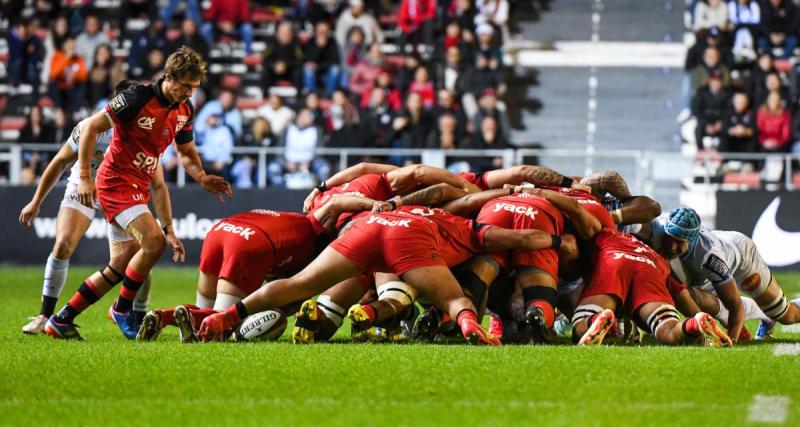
(644, 260)
(245, 232)
(389, 223)
(182, 119)
(146, 122)
(522, 210)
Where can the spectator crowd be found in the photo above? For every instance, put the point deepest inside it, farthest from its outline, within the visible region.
(319, 73)
(742, 80)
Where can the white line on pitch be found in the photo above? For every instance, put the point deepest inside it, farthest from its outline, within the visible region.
(768, 409)
(786, 349)
(791, 329)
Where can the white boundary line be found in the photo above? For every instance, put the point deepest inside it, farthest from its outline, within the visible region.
(786, 349)
(768, 409)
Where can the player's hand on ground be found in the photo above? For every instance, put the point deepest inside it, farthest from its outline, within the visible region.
(217, 186)
(28, 213)
(178, 251)
(309, 200)
(86, 191)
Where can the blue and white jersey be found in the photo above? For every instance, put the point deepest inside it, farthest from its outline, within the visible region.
(713, 260)
(103, 141)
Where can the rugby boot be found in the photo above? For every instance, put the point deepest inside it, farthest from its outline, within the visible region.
(305, 324)
(427, 325)
(185, 323)
(598, 329)
(473, 332)
(540, 333)
(35, 325)
(765, 329)
(712, 334)
(151, 326)
(361, 319)
(125, 322)
(66, 331)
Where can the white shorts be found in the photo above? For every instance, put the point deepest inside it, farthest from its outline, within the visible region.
(751, 264)
(126, 217)
(70, 200)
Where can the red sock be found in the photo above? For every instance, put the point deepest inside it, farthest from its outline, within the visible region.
(198, 314)
(547, 309)
(370, 312)
(231, 315)
(464, 316)
(691, 327)
(167, 317)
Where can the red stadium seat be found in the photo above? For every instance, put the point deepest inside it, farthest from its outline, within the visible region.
(46, 102)
(782, 65)
(265, 16)
(231, 81)
(796, 179)
(253, 59)
(250, 103)
(743, 179)
(12, 123)
(388, 20)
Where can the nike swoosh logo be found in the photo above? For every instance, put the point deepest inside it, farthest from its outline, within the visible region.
(778, 247)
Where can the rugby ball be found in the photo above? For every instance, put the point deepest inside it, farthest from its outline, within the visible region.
(264, 326)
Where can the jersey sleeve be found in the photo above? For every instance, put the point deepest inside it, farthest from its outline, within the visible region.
(716, 269)
(186, 134)
(125, 106)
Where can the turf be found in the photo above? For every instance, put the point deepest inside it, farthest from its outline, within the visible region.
(108, 380)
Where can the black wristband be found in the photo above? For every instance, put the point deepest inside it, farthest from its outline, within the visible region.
(241, 310)
(393, 203)
(566, 182)
(322, 186)
(555, 241)
(511, 191)
(164, 229)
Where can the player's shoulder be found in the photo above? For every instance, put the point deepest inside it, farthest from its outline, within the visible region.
(129, 101)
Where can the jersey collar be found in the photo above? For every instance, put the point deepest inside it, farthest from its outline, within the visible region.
(162, 99)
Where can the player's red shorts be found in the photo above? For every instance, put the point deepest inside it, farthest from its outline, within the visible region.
(522, 213)
(635, 278)
(393, 243)
(229, 256)
(116, 196)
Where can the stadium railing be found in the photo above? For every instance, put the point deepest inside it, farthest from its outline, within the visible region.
(643, 169)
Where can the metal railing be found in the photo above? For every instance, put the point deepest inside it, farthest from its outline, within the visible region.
(642, 168)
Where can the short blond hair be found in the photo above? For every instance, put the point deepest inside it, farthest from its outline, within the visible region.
(185, 62)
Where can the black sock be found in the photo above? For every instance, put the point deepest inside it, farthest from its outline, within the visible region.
(127, 294)
(66, 314)
(48, 306)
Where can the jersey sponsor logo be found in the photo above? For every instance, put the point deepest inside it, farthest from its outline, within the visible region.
(146, 122)
(718, 267)
(244, 232)
(644, 260)
(389, 223)
(587, 202)
(522, 210)
(117, 104)
(423, 211)
(147, 163)
(265, 212)
(776, 245)
(182, 119)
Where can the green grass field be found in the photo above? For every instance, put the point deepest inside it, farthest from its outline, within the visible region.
(108, 380)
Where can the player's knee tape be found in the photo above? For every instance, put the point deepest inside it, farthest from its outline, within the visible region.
(776, 308)
(334, 312)
(474, 288)
(660, 317)
(202, 301)
(542, 293)
(142, 300)
(585, 312)
(224, 301)
(398, 291)
(112, 279)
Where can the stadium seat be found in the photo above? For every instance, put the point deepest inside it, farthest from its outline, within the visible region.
(231, 81)
(796, 179)
(783, 65)
(743, 180)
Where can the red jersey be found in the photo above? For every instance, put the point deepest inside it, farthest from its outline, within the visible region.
(476, 179)
(373, 186)
(290, 235)
(590, 203)
(145, 124)
(459, 233)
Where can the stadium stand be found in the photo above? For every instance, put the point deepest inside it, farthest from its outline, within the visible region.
(367, 74)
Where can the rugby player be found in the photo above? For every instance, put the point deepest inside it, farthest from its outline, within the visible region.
(73, 219)
(146, 120)
(723, 263)
(418, 244)
(240, 251)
